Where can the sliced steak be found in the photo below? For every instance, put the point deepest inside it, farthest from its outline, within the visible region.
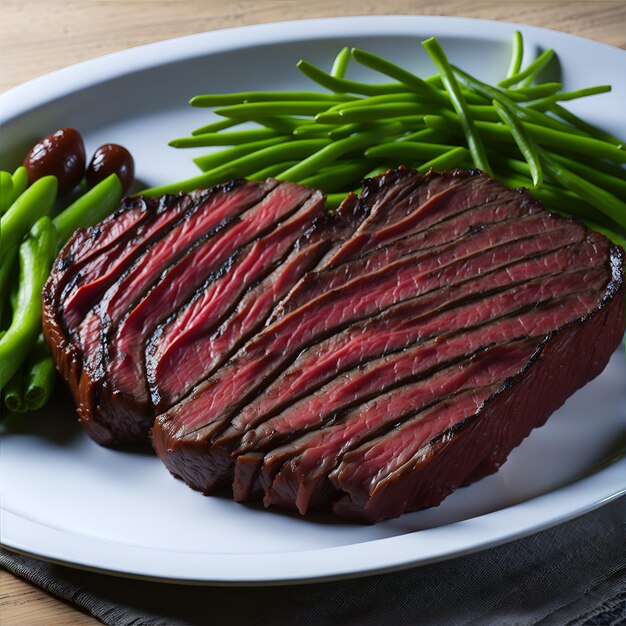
(85, 258)
(212, 267)
(191, 341)
(296, 474)
(453, 444)
(215, 401)
(466, 267)
(438, 197)
(377, 376)
(399, 333)
(366, 361)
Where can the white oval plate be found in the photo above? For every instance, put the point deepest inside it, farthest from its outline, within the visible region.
(66, 499)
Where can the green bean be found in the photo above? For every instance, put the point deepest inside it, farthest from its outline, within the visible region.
(447, 160)
(427, 88)
(7, 267)
(336, 177)
(554, 198)
(342, 85)
(284, 123)
(89, 209)
(532, 70)
(398, 109)
(202, 181)
(376, 112)
(427, 135)
(34, 203)
(474, 141)
(510, 164)
(223, 139)
(372, 100)
(376, 171)
(36, 254)
(414, 83)
(213, 127)
(470, 97)
(581, 93)
(517, 53)
(503, 96)
(403, 122)
(247, 97)
(537, 117)
(345, 130)
(543, 136)
(313, 130)
(244, 165)
(483, 112)
(576, 143)
(575, 121)
(600, 164)
(271, 170)
(255, 110)
(552, 195)
(40, 377)
(536, 91)
(210, 161)
(549, 102)
(597, 197)
(20, 182)
(340, 64)
(523, 140)
(14, 392)
(334, 150)
(407, 150)
(6, 191)
(392, 98)
(607, 181)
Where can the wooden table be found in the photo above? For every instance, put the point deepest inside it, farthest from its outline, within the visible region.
(39, 36)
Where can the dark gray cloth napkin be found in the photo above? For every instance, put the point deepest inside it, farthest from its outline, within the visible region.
(572, 574)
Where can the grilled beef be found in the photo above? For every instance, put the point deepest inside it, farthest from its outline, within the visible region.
(192, 262)
(368, 361)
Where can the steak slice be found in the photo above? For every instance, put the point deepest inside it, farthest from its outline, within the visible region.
(66, 305)
(218, 210)
(437, 197)
(83, 259)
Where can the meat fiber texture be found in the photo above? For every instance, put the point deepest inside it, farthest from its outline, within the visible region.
(366, 362)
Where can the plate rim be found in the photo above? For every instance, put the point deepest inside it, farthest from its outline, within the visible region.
(140, 58)
(293, 573)
(74, 78)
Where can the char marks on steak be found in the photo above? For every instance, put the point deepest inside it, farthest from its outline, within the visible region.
(367, 361)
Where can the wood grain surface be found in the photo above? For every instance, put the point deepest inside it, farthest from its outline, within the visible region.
(38, 36)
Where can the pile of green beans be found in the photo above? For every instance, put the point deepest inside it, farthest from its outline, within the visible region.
(517, 131)
(32, 232)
